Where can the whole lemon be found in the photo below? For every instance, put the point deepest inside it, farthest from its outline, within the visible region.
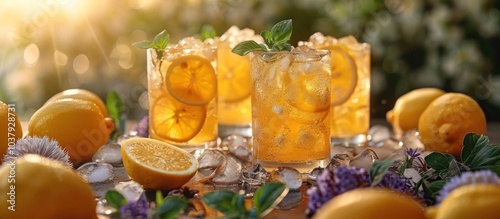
(10, 128)
(408, 108)
(447, 119)
(470, 201)
(78, 126)
(368, 203)
(81, 94)
(38, 187)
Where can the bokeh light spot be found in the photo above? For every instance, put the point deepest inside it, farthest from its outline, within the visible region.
(31, 54)
(81, 64)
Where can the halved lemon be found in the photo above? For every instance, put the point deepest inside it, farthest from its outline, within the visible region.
(344, 75)
(157, 165)
(233, 78)
(191, 79)
(177, 121)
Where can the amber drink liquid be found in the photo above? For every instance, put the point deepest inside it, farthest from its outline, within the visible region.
(182, 91)
(291, 108)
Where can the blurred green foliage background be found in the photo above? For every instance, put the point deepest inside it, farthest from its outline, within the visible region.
(52, 45)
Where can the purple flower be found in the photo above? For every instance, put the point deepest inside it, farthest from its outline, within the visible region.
(331, 183)
(482, 176)
(412, 152)
(142, 127)
(135, 210)
(396, 182)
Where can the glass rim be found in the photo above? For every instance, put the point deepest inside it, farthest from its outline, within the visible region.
(316, 51)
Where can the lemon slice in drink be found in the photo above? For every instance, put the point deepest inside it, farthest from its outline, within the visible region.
(177, 121)
(234, 78)
(191, 79)
(344, 75)
(157, 165)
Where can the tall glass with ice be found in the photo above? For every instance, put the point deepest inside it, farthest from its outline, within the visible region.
(350, 108)
(182, 91)
(233, 73)
(291, 108)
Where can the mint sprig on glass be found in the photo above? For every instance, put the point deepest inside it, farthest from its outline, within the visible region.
(274, 40)
(159, 43)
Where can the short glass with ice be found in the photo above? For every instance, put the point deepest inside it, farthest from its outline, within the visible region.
(182, 91)
(233, 72)
(350, 108)
(291, 108)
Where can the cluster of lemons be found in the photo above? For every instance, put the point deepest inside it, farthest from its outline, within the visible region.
(78, 120)
(442, 119)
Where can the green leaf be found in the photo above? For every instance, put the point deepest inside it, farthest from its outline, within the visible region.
(115, 106)
(472, 144)
(268, 39)
(161, 40)
(436, 186)
(207, 32)
(159, 198)
(246, 47)
(281, 32)
(379, 169)
(145, 44)
(268, 196)
(115, 199)
(222, 201)
(438, 161)
(487, 158)
(171, 207)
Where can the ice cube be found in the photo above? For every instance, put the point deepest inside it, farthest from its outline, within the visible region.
(315, 172)
(339, 160)
(93, 172)
(288, 175)
(230, 174)
(317, 38)
(334, 150)
(211, 158)
(411, 139)
(190, 42)
(109, 153)
(254, 176)
(365, 159)
(234, 35)
(237, 145)
(291, 201)
(131, 190)
(124, 137)
(377, 135)
(104, 209)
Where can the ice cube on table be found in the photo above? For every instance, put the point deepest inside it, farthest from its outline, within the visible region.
(411, 139)
(291, 201)
(365, 159)
(254, 176)
(231, 172)
(339, 160)
(335, 149)
(131, 190)
(211, 158)
(377, 135)
(238, 146)
(290, 176)
(93, 172)
(109, 153)
(315, 172)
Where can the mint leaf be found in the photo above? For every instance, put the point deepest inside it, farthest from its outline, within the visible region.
(434, 187)
(487, 158)
(282, 31)
(222, 201)
(207, 32)
(171, 207)
(161, 40)
(472, 144)
(379, 169)
(246, 47)
(268, 196)
(115, 199)
(438, 161)
(145, 44)
(275, 40)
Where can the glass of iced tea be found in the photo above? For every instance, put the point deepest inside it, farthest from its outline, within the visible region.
(182, 91)
(291, 108)
(350, 108)
(233, 74)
